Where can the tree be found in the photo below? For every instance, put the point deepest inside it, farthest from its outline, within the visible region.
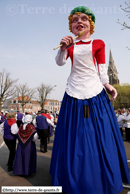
(24, 94)
(126, 10)
(43, 91)
(7, 86)
(122, 100)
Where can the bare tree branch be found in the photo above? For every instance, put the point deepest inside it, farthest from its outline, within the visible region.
(124, 25)
(43, 91)
(126, 10)
(7, 86)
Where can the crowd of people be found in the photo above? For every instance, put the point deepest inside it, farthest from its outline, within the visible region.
(123, 118)
(26, 128)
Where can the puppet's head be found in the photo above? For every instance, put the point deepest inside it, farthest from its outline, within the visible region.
(85, 10)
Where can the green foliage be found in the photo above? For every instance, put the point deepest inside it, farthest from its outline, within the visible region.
(123, 97)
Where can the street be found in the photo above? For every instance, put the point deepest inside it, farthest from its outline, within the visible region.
(42, 176)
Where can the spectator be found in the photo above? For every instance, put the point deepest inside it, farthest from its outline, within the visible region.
(41, 123)
(120, 119)
(1, 117)
(5, 116)
(127, 125)
(52, 117)
(116, 113)
(56, 118)
(9, 129)
(19, 117)
(50, 131)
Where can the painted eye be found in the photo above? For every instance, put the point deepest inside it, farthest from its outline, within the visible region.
(74, 20)
(84, 18)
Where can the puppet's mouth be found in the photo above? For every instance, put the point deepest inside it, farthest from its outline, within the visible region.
(79, 27)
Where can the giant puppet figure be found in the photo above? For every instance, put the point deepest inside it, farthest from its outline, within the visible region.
(88, 154)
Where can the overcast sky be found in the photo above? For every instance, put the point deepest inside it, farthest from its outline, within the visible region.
(30, 29)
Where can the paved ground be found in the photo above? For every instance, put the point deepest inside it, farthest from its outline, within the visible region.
(42, 177)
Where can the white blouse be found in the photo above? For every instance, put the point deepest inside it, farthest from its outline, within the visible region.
(127, 120)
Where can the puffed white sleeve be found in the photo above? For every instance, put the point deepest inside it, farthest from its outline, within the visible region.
(2, 128)
(14, 129)
(35, 137)
(61, 57)
(120, 118)
(103, 74)
(34, 122)
(23, 119)
(127, 118)
(50, 122)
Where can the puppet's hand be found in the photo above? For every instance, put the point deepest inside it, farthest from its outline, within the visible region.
(111, 90)
(67, 42)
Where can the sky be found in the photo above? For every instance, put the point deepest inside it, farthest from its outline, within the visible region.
(30, 29)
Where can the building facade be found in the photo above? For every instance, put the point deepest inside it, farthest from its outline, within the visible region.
(52, 105)
(33, 106)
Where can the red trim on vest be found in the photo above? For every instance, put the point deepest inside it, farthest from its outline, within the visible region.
(46, 115)
(11, 122)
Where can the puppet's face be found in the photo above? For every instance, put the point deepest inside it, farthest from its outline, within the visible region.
(79, 23)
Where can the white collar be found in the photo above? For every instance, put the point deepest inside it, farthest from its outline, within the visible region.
(85, 40)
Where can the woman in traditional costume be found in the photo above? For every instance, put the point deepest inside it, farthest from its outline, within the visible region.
(25, 158)
(88, 153)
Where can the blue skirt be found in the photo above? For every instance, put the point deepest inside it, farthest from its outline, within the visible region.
(25, 159)
(88, 153)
